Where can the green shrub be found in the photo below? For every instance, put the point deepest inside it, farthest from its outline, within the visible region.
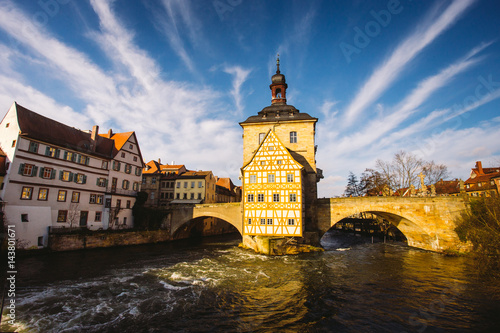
(480, 225)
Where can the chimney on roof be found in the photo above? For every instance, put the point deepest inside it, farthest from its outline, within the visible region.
(95, 132)
(159, 161)
(479, 167)
(110, 133)
(93, 137)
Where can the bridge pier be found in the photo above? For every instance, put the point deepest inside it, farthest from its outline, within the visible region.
(277, 246)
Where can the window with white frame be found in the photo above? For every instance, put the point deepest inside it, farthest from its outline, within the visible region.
(293, 137)
(289, 178)
(80, 178)
(48, 173)
(26, 169)
(253, 179)
(270, 178)
(101, 182)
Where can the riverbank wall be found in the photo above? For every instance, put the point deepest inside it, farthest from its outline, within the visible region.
(96, 239)
(81, 239)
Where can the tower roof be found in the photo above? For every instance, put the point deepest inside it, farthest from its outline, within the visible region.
(278, 111)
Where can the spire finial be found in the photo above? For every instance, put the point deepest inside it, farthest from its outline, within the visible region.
(278, 64)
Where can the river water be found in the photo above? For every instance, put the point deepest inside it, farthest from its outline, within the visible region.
(214, 286)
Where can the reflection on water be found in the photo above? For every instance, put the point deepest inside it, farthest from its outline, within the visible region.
(354, 286)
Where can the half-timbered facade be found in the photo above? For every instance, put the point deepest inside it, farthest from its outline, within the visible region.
(272, 198)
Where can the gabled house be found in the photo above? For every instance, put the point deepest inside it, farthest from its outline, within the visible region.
(194, 187)
(158, 181)
(273, 191)
(59, 176)
(482, 181)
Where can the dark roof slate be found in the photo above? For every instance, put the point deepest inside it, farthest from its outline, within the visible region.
(278, 112)
(38, 127)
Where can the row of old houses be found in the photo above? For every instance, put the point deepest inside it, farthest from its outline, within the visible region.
(168, 184)
(56, 176)
(482, 182)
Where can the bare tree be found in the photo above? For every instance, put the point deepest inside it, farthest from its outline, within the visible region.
(113, 214)
(434, 172)
(407, 166)
(73, 214)
(372, 182)
(389, 174)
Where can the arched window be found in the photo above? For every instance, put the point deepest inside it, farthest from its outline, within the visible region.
(278, 93)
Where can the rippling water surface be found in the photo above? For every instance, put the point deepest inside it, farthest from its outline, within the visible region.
(354, 286)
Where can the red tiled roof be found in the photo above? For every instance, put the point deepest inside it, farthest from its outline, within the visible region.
(483, 177)
(225, 182)
(154, 167)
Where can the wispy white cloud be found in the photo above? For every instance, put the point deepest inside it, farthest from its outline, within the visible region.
(171, 119)
(240, 75)
(118, 43)
(379, 128)
(385, 74)
(180, 18)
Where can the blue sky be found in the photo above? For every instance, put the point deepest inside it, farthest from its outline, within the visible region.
(381, 76)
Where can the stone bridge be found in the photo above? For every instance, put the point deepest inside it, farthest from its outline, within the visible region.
(230, 212)
(428, 223)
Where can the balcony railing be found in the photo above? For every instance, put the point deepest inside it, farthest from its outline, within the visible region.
(120, 191)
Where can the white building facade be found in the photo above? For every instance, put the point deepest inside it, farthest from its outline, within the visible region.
(59, 176)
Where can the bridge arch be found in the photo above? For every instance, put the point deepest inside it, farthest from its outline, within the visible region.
(427, 223)
(184, 214)
(415, 234)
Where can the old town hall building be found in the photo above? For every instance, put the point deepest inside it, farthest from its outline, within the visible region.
(279, 173)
